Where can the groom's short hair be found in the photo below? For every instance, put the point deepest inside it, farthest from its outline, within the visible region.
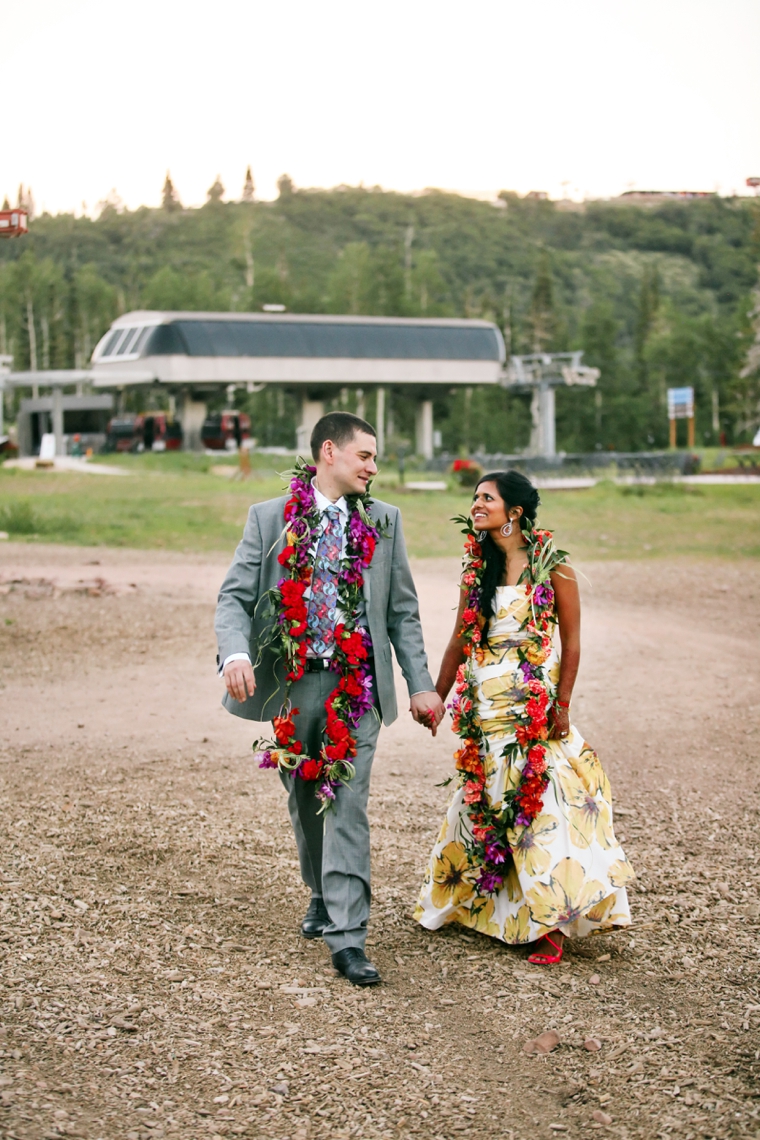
(340, 427)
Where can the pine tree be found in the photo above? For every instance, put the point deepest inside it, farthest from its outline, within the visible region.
(170, 198)
(542, 317)
(26, 200)
(248, 186)
(649, 303)
(216, 192)
(746, 391)
(285, 185)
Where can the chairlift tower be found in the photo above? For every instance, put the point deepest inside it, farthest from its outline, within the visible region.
(542, 373)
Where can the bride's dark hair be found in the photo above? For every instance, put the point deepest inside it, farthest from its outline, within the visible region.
(517, 491)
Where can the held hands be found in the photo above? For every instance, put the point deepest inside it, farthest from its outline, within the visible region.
(427, 709)
(238, 677)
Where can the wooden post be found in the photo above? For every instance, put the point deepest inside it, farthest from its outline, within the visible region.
(690, 422)
(244, 464)
(672, 434)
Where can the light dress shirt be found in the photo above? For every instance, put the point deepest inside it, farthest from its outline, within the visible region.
(361, 618)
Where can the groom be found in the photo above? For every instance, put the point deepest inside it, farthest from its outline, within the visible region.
(333, 847)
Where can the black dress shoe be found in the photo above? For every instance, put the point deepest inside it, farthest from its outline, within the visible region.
(354, 964)
(315, 919)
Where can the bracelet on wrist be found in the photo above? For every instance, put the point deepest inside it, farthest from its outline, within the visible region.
(562, 704)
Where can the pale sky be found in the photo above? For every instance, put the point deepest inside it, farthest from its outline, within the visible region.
(598, 95)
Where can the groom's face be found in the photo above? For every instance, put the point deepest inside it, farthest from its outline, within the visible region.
(353, 465)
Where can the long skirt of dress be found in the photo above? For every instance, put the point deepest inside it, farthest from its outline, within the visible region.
(568, 871)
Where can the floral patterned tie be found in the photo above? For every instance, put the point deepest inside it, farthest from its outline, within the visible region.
(321, 618)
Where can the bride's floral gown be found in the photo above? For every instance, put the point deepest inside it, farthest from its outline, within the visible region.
(568, 871)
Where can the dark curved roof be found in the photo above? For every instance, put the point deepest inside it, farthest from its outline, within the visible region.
(357, 339)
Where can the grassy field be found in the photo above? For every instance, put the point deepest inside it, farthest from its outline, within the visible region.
(176, 502)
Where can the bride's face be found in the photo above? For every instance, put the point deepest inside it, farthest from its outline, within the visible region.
(488, 510)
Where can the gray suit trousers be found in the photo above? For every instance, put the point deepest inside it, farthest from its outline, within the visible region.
(333, 848)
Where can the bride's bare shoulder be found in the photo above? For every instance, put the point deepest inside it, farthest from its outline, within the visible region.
(563, 575)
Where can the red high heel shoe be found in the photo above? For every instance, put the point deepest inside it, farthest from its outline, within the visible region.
(540, 959)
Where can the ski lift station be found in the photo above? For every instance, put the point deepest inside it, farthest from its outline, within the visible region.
(191, 355)
(313, 356)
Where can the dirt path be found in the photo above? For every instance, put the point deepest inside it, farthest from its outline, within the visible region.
(152, 978)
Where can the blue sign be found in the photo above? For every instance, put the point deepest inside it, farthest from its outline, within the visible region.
(680, 403)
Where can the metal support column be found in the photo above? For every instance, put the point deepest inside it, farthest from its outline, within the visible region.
(311, 411)
(60, 445)
(547, 421)
(191, 416)
(380, 422)
(540, 373)
(424, 426)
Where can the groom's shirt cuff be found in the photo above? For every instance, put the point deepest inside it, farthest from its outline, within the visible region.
(234, 657)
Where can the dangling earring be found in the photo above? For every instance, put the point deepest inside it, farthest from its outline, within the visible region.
(506, 530)
(481, 535)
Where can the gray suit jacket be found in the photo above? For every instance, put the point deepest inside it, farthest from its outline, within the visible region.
(392, 611)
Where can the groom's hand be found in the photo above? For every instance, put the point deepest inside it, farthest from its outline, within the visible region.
(427, 709)
(238, 677)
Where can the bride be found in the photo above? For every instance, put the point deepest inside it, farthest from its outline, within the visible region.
(527, 852)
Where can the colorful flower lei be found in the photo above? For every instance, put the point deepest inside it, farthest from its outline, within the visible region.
(352, 696)
(487, 845)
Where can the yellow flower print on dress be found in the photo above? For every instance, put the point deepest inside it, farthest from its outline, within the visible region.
(517, 927)
(529, 844)
(479, 917)
(592, 821)
(520, 608)
(588, 817)
(512, 773)
(620, 873)
(588, 768)
(451, 885)
(500, 700)
(566, 866)
(512, 883)
(573, 788)
(492, 654)
(490, 764)
(601, 911)
(565, 897)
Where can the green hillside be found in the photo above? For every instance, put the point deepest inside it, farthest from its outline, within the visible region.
(656, 296)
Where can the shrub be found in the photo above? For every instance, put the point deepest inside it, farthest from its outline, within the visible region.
(466, 471)
(19, 518)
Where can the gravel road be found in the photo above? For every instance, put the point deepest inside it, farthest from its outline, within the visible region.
(152, 978)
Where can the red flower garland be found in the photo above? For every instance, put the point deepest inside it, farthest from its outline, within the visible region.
(352, 697)
(488, 847)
